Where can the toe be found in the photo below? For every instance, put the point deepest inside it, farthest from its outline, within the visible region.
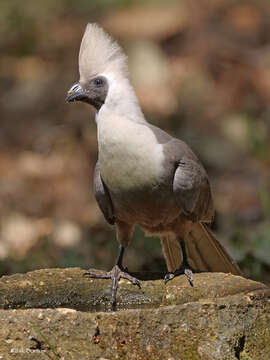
(130, 278)
(97, 276)
(136, 282)
(168, 277)
(189, 275)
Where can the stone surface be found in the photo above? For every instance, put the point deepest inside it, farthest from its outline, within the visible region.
(58, 313)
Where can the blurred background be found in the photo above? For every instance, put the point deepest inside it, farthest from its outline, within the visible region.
(201, 70)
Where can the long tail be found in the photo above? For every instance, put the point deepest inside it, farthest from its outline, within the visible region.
(204, 252)
(171, 251)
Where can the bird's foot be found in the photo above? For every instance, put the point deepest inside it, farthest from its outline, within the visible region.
(115, 274)
(184, 269)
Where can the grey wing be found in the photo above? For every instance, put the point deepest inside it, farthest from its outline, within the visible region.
(192, 188)
(103, 197)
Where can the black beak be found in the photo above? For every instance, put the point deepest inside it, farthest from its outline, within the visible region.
(76, 93)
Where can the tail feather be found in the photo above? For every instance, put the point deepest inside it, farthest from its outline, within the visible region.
(204, 252)
(207, 253)
(171, 251)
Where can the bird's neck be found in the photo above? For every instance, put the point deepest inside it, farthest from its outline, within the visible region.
(121, 101)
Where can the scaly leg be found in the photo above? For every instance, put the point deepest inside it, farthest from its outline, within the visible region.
(116, 274)
(184, 268)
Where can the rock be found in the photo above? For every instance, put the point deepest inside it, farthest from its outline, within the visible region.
(58, 313)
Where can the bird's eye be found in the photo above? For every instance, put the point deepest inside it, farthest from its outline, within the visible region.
(98, 81)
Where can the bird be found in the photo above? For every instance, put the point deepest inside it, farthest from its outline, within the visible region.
(143, 175)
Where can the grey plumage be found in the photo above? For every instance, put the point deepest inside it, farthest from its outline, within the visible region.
(102, 196)
(143, 175)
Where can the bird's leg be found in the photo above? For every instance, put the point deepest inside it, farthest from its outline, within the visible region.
(116, 274)
(184, 268)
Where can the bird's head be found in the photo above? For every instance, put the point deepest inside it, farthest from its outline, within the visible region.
(102, 64)
(93, 91)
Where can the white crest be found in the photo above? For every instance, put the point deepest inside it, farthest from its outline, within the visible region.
(99, 53)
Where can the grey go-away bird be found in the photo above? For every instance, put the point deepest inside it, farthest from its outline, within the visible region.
(143, 175)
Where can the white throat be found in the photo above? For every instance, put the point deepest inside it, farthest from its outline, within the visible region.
(121, 100)
(129, 154)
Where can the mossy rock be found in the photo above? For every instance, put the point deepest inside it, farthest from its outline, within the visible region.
(59, 313)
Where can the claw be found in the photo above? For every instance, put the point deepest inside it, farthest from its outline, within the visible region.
(182, 270)
(115, 274)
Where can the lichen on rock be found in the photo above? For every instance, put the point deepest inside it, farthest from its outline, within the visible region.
(221, 317)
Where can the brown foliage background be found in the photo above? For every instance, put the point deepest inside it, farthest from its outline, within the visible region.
(201, 70)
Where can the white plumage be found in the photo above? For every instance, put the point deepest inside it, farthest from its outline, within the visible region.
(99, 53)
(135, 157)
